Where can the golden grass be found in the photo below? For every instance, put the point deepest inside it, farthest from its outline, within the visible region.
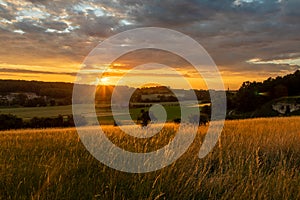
(254, 159)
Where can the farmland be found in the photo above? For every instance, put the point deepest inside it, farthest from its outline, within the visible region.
(29, 112)
(254, 159)
(104, 114)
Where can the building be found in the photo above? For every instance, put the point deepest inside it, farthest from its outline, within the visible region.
(283, 107)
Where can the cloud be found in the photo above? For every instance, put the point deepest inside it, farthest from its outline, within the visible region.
(26, 71)
(232, 31)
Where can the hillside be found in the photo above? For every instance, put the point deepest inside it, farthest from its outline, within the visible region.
(253, 99)
(34, 93)
(279, 107)
(254, 159)
(253, 95)
(20, 93)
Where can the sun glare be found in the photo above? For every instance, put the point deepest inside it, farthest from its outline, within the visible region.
(104, 80)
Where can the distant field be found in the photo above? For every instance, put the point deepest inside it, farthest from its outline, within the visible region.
(103, 114)
(254, 159)
(27, 113)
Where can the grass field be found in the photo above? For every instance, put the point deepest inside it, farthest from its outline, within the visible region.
(104, 115)
(30, 112)
(254, 159)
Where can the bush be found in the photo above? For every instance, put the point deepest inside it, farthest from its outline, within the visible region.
(9, 121)
(177, 120)
(194, 119)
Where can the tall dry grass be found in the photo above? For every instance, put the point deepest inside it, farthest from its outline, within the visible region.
(254, 159)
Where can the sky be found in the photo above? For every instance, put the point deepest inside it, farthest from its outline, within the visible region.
(249, 40)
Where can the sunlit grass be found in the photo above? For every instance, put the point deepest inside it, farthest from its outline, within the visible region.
(254, 159)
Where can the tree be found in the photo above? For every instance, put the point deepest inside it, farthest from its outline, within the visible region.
(144, 118)
(9, 121)
(20, 99)
(52, 102)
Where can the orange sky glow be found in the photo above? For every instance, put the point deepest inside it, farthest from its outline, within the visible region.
(248, 40)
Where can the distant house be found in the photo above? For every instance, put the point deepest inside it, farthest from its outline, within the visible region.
(156, 97)
(150, 97)
(282, 107)
(31, 95)
(11, 96)
(3, 98)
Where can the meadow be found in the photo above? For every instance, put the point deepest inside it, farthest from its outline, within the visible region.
(29, 112)
(254, 159)
(104, 114)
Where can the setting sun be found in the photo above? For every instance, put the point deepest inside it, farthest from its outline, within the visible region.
(104, 80)
(149, 100)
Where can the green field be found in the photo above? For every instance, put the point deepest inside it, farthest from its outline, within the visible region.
(28, 113)
(254, 159)
(104, 114)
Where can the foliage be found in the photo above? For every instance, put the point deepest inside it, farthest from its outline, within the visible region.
(252, 95)
(203, 120)
(51, 89)
(9, 121)
(61, 92)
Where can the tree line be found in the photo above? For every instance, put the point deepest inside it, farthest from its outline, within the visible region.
(251, 95)
(50, 89)
(47, 93)
(9, 121)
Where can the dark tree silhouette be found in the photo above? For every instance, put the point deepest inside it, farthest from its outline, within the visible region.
(287, 110)
(144, 118)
